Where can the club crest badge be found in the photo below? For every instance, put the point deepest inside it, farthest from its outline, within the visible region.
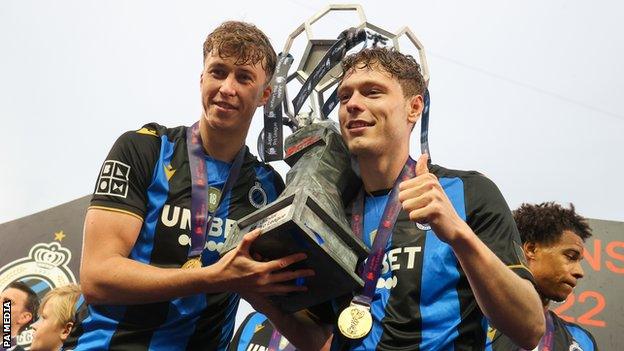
(257, 196)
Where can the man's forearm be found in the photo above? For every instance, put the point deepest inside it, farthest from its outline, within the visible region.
(120, 280)
(508, 301)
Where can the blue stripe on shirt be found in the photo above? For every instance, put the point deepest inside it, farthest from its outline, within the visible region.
(99, 327)
(439, 301)
(157, 194)
(181, 321)
(230, 317)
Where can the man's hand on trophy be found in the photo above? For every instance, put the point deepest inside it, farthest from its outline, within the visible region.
(240, 273)
(423, 198)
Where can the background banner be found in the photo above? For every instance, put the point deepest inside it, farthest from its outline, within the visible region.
(43, 250)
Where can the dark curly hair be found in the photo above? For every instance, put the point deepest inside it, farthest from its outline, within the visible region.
(545, 223)
(403, 67)
(243, 41)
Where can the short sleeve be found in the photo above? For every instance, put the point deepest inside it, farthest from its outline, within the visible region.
(126, 173)
(490, 218)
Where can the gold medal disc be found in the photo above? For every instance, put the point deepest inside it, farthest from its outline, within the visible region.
(355, 321)
(194, 262)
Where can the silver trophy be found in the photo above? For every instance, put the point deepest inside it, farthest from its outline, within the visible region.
(309, 215)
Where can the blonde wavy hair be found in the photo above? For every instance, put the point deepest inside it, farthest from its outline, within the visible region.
(64, 307)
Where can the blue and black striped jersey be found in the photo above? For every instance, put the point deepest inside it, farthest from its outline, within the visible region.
(147, 175)
(566, 337)
(423, 300)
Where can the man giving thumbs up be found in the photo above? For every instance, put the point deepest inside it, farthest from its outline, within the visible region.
(445, 252)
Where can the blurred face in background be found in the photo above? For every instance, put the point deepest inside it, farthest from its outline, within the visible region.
(19, 315)
(50, 333)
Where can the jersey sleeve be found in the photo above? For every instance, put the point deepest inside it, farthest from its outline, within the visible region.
(490, 218)
(126, 173)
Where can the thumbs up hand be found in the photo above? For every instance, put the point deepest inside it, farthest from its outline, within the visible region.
(424, 200)
(421, 165)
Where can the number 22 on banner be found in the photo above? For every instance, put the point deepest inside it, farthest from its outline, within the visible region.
(587, 317)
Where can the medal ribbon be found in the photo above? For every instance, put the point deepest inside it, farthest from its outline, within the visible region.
(329, 105)
(424, 125)
(274, 343)
(201, 215)
(372, 269)
(273, 120)
(546, 344)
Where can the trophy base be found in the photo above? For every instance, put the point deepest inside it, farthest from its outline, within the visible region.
(298, 223)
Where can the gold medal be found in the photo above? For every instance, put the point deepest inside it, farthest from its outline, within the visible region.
(355, 321)
(193, 262)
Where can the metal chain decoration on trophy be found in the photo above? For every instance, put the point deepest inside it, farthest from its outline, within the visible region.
(309, 215)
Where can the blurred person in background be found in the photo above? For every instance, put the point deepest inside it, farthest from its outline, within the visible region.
(56, 318)
(552, 239)
(24, 306)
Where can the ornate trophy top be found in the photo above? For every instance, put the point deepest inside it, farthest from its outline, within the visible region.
(317, 47)
(318, 70)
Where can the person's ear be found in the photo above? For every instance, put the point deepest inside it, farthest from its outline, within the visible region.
(66, 330)
(266, 93)
(414, 108)
(530, 250)
(25, 318)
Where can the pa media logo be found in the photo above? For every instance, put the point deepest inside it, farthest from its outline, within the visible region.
(113, 179)
(45, 268)
(6, 324)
